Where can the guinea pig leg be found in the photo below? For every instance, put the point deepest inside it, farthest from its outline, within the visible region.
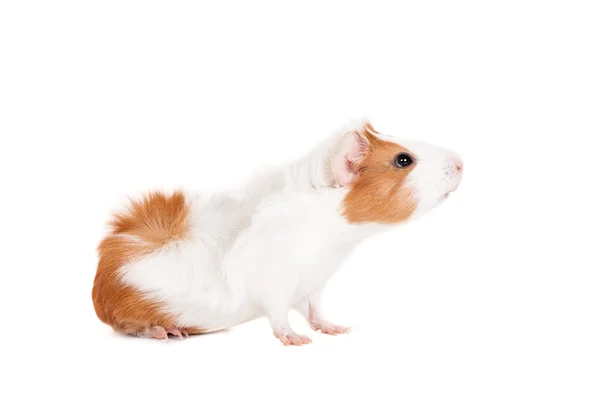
(282, 329)
(310, 308)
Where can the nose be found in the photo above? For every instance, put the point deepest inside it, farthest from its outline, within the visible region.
(459, 164)
(456, 162)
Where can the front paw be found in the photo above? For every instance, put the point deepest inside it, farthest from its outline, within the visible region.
(328, 328)
(293, 339)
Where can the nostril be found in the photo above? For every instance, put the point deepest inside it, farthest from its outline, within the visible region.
(459, 166)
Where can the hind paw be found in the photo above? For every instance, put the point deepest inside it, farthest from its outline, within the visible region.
(158, 332)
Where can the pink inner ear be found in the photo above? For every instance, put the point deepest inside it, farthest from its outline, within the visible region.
(352, 149)
(352, 167)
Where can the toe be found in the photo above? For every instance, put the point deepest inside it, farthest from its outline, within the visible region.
(334, 330)
(305, 339)
(328, 330)
(295, 340)
(175, 332)
(284, 339)
(299, 340)
(343, 329)
(158, 332)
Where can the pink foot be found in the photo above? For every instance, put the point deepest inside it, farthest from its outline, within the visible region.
(329, 328)
(293, 339)
(178, 332)
(158, 332)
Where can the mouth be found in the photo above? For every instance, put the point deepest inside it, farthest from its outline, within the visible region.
(450, 191)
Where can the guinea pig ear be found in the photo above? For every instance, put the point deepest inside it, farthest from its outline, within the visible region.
(350, 151)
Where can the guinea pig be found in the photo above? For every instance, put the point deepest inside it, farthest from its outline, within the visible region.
(179, 264)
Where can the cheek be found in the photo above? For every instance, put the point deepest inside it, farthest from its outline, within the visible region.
(405, 203)
(427, 183)
(427, 189)
(382, 199)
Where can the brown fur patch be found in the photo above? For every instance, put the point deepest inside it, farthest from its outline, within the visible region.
(156, 220)
(378, 193)
(147, 226)
(369, 128)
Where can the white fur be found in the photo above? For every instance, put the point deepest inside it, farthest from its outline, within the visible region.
(273, 245)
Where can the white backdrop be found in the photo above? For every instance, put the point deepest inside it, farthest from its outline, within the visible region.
(494, 295)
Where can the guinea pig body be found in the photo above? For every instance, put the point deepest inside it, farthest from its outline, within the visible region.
(182, 263)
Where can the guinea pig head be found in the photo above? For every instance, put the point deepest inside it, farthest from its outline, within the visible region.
(391, 180)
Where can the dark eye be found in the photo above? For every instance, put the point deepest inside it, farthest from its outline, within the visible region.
(403, 160)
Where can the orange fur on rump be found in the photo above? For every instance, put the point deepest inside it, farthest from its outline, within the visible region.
(147, 226)
(378, 193)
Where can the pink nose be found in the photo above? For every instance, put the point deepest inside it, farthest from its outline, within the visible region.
(459, 164)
